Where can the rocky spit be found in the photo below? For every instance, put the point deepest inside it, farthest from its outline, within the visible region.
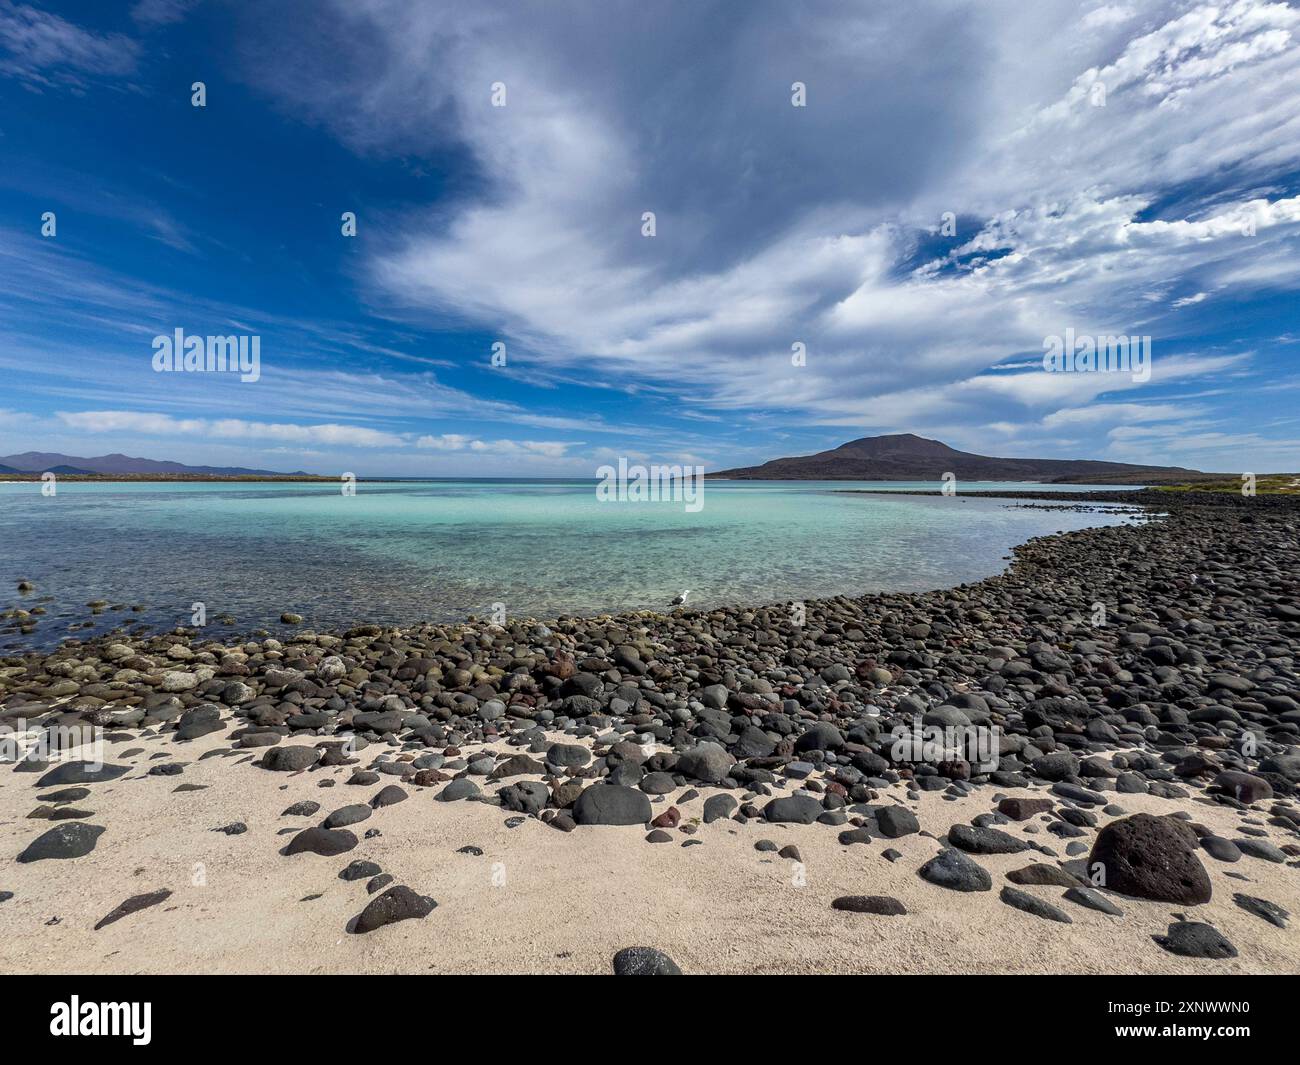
(1151, 665)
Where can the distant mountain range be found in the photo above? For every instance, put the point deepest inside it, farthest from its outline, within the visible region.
(30, 462)
(905, 457)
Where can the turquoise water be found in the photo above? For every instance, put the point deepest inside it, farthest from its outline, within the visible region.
(419, 551)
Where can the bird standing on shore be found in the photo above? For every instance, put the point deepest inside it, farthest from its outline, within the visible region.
(681, 598)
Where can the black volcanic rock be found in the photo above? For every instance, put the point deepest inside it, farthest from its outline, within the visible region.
(73, 840)
(398, 903)
(644, 961)
(1151, 857)
(326, 841)
(81, 773)
(1194, 939)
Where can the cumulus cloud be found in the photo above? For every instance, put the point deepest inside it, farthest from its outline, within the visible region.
(778, 225)
(966, 180)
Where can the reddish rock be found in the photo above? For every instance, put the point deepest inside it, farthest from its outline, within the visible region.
(563, 665)
(670, 818)
(1024, 809)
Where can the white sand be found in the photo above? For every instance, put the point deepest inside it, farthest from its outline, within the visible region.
(560, 902)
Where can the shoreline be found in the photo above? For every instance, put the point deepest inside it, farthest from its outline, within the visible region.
(39, 619)
(628, 772)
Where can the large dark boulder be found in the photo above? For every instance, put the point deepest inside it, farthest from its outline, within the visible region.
(1149, 857)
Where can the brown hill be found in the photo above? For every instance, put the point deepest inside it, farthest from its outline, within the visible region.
(906, 457)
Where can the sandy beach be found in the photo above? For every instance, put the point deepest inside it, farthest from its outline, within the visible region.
(542, 901)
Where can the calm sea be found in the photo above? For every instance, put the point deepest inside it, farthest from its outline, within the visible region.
(441, 550)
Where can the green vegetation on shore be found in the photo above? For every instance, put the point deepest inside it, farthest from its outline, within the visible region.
(1265, 484)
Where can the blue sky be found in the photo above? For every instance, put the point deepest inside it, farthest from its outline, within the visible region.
(1173, 210)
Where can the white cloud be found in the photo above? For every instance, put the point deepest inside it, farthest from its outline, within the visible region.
(1106, 413)
(779, 225)
(1106, 16)
(317, 437)
(152, 13)
(43, 49)
(121, 421)
(460, 442)
(551, 253)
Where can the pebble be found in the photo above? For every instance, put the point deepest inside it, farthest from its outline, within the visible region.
(290, 759)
